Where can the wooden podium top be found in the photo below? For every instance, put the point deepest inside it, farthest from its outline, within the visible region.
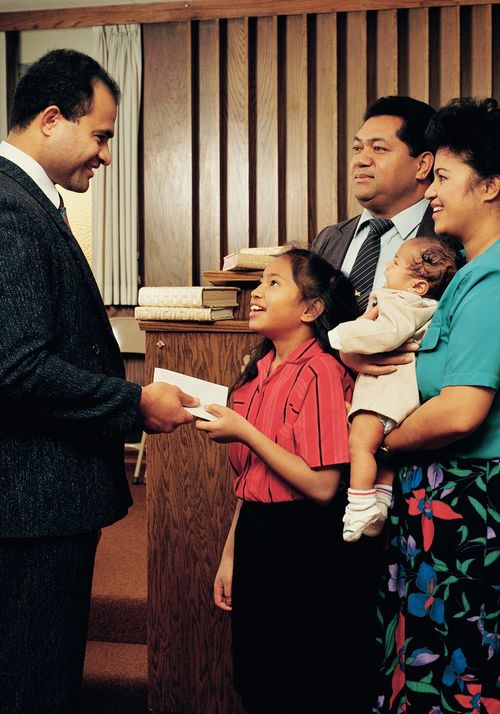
(192, 326)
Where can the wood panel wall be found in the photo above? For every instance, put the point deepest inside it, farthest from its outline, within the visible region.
(248, 122)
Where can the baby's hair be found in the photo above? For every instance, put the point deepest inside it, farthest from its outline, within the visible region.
(315, 278)
(435, 261)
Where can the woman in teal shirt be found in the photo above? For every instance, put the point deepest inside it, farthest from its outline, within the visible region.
(440, 609)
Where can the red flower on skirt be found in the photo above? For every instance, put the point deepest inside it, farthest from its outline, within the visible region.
(420, 503)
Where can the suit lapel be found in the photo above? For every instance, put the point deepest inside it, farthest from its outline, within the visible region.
(16, 173)
(346, 230)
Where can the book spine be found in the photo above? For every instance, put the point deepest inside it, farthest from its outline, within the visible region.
(200, 314)
(173, 313)
(171, 297)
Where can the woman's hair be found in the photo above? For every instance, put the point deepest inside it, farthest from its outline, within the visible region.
(436, 261)
(469, 128)
(315, 278)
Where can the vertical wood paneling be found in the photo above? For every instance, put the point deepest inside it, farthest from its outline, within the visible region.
(237, 135)
(296, 129)
(448, 69)
(481, 51)
(386, 76)
(356, 94)
(326, 120)
(276, 104)
(418, 54)
(209, 146)
(167, 155)
(267, 131)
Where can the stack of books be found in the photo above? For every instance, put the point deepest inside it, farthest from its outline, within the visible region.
(198, 303)
(253, 258)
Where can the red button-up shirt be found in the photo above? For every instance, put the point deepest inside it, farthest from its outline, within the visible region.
(300, 406)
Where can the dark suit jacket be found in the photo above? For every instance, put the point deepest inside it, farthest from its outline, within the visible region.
(333, 241)
(64, 406)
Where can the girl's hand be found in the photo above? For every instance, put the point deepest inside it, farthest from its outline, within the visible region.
(223, 584)
(229, 426)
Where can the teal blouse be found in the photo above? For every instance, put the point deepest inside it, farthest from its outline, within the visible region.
(462, 347)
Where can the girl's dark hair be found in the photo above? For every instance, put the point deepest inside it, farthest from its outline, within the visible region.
(469, 128)
(315, 278)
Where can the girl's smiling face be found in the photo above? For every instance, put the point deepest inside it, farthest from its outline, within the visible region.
(277, 306)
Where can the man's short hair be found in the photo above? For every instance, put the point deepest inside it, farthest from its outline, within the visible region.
(64, 78)
(415, 115)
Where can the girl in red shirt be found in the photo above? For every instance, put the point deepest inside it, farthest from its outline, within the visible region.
(288, 446)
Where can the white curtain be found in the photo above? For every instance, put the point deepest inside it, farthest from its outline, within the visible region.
(115, 190)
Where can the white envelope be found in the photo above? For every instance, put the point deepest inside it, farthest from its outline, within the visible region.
(207, 392)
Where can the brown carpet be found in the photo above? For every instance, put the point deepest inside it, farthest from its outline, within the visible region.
(115, 674)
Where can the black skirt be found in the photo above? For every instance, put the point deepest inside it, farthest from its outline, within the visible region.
(303, 610)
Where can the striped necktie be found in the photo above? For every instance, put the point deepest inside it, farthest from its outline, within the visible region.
(365, 265)
(63, 212)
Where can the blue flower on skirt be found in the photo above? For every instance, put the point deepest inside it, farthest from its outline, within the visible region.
(411, 477)
(457, 666)
(425, 603)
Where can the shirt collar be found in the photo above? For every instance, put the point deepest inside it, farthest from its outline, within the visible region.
(34, 170)
(405, 221)
(303, 352)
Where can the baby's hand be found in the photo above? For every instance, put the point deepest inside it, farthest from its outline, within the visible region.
(229, 426)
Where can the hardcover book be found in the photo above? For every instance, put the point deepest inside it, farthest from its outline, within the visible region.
(189, 296)
(198, 314)
(253, 258)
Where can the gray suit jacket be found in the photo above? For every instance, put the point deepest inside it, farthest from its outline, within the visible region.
(333, 241)
(64, 406)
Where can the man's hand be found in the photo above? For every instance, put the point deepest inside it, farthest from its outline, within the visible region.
(162, 409)
(383, 363)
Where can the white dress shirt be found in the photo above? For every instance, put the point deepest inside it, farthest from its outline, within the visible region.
(33, 169)
(406, 224)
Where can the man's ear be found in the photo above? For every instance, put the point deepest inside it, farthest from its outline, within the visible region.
(420, 286)
(491, 188)
(314, 309)
(424, 165)
(49, 118)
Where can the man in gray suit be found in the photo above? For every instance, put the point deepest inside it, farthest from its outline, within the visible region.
(65, 407)
(390, 169)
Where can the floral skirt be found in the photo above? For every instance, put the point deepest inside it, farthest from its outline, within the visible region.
(440, 603)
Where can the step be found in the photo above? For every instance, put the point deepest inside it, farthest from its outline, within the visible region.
(117, 619)
(114, 679)
(119, 591)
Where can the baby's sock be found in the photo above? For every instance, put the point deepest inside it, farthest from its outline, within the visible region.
(383, 495)
(361, 511)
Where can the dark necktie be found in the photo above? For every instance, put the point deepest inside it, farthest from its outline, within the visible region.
(63, 212)
(365, 265)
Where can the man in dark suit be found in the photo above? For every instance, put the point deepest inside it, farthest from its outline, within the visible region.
(390, 169)
(65, 407)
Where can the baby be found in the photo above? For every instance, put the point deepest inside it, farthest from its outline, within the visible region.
(415, 279)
